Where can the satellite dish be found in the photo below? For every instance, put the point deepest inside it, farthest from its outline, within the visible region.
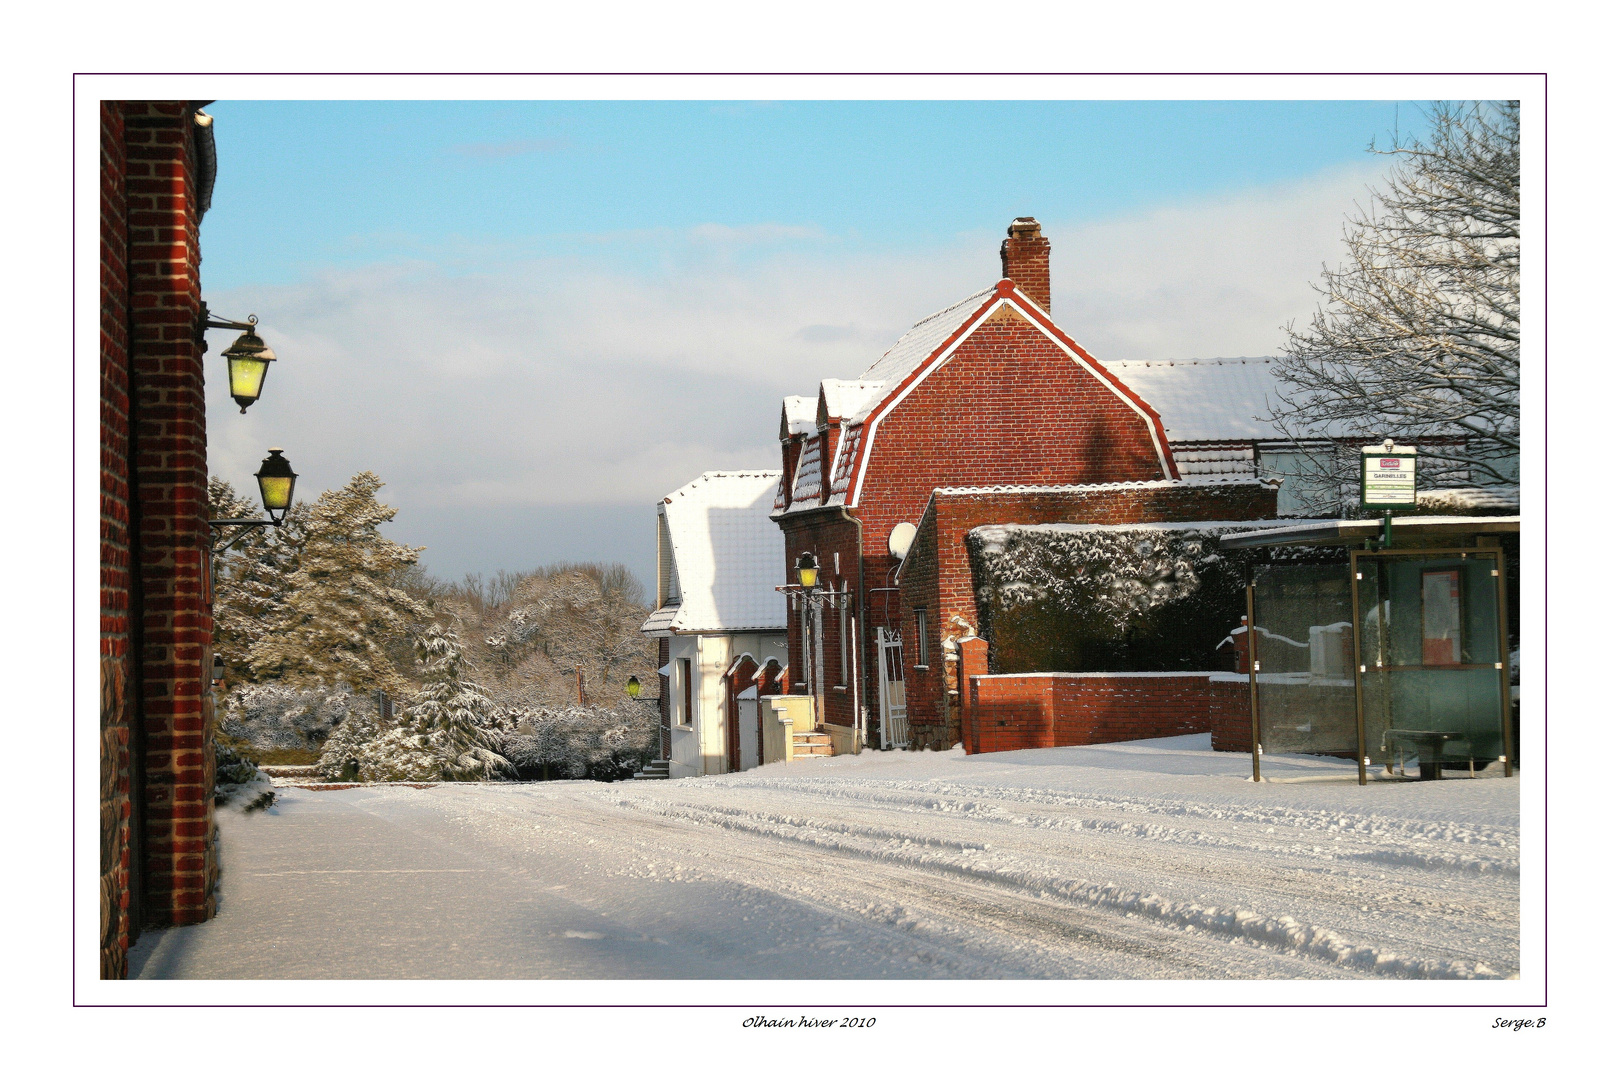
(900, 538)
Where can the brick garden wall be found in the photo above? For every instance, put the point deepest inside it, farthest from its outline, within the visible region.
(156, 622)
(1018, 712)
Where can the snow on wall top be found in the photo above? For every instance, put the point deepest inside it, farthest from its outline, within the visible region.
(1222, 398)
(998, 533)
(728, 553)
(1065, 489)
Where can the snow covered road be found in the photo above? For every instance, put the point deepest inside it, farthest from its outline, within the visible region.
(1140, 860)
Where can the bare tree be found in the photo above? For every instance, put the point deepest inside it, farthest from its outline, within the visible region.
(1417, 337)
(526, 634)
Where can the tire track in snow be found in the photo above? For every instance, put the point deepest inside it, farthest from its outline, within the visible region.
(1283, 932)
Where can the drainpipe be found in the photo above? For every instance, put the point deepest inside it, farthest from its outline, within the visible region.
(860, 621)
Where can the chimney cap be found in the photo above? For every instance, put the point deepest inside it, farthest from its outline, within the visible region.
(1026, 227)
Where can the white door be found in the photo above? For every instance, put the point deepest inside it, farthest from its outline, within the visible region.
(892, 688)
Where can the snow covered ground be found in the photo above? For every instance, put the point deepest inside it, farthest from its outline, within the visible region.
(1146, 860)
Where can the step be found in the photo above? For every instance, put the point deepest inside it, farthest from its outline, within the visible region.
(812, 750)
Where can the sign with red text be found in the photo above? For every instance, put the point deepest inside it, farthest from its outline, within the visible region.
(1388, 478)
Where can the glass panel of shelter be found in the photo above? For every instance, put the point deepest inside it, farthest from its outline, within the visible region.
(1304, 686)
(1429, 657)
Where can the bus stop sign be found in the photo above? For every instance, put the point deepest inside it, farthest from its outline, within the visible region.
(1388, 478)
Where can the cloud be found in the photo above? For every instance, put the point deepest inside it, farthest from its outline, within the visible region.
(612, 373)
(822, 332)
(1217, 277)
(499, 151)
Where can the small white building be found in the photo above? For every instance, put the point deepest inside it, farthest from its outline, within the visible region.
(721, 623)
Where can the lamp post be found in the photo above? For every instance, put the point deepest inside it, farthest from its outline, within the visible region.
(809, 597)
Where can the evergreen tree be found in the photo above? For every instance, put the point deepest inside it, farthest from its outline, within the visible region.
(339, 608)
(458, 708)
(251, 577)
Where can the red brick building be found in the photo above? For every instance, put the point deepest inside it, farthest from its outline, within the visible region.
(158, 864)
(987, 392)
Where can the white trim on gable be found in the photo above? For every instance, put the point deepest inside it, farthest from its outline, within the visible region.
(917, 377)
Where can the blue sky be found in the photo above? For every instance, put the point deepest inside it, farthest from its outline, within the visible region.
(533, 319)
(319, 184)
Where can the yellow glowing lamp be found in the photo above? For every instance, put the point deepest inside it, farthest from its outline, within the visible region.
(276, 480)
(247, 362)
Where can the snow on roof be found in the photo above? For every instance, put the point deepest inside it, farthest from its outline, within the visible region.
(849, 448)
(1470, 498)
(850, 398)
(798, 416)
(916, 344)
(1206, 466)
(807, 477)
(660, 619)
(1222, 398)
(728, 553)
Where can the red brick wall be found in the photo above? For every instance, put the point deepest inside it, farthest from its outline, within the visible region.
(1229, 720)
(156, 618)
(116, 648)
(1009, 407)
(1018, 712)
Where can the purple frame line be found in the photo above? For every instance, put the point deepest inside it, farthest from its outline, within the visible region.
(1544, 496)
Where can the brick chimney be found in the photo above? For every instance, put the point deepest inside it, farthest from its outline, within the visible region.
(1026, 258)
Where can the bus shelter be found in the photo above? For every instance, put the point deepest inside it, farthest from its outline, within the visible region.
(1397, 651)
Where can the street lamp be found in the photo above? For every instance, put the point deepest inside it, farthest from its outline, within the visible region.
(276, 480)
(633, 687)
(808, 568)
(248, 359)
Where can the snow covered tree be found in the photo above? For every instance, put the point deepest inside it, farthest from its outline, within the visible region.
(340, 607)
(455, 707)
(1418, 335)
